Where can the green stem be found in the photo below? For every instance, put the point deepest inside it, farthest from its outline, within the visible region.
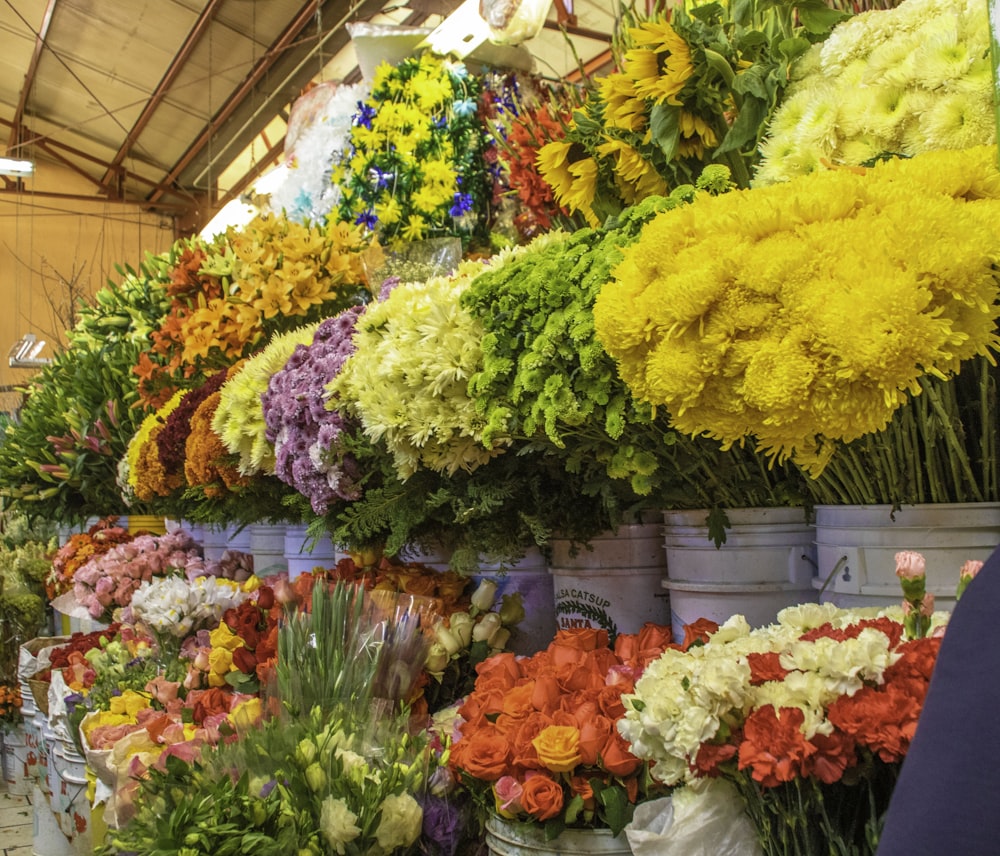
(958, 456)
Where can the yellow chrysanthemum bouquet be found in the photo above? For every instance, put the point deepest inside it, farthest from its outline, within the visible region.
(691, 88)
(845, 320)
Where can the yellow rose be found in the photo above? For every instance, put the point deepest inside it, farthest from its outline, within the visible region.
(220, 661)
(558, 747)
(223, 637)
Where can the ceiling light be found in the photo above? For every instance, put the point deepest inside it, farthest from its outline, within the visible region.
(460, 33)
(16, 168)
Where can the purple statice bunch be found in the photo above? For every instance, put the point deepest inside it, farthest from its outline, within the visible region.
(445, 824)
(309, 454)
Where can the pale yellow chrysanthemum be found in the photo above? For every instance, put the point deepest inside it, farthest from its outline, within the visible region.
(956, 121)
(239, 417)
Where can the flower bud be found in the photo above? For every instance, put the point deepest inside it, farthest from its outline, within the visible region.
(461, 625)
(446, 638)
(484, 596)
(512, 609)
(437, 658)
(499, 640)
(305, 752)
(316, 777)
(487, 628)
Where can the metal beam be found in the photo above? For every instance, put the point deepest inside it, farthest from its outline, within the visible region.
(290, 73)
(582, 32)
(163, 87)
(257, 73)
(29, 77)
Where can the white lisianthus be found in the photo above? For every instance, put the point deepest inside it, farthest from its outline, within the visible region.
(337, 823)
(400, 822)
(177, 607)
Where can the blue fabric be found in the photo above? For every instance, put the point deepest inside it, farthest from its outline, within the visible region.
(947, 801)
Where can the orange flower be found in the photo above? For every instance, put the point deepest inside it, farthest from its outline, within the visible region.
(542, 796)
(484, 754)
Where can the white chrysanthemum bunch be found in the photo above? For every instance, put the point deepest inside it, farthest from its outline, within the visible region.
(239, 418)
(307, 193)
(907, 80)
(407, 380)
(687, 699)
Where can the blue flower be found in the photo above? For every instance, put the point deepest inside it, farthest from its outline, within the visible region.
(364, 115)
(366, 219)
(463, 203)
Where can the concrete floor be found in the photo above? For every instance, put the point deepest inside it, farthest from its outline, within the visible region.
(16, 824)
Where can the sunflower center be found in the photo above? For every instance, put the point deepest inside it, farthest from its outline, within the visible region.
(577, 152)
(662, 58)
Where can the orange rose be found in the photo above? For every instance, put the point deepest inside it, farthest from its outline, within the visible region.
(483, 754)
(517, 701)
(582, 638)
(580, 785)
(545, 694)
(501, 670)
(558, 747)
(524, 750)
(616, 757)
(542, 796)
(479, 705)
(594, 734)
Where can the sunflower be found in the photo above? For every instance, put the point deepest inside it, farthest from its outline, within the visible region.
(696, 135)
(572, 175)
(660, 63)
(624, 107)
(635, 176)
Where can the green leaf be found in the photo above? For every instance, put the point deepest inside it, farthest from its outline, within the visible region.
(573, 809)
(746, 127)
(718, 523)
(818, 18)
(664, 124)
(718, 63)
(792, 49)
(616, 808)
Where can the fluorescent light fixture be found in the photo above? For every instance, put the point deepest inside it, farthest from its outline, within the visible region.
(460, 33)
(16, 168)
(24, 353)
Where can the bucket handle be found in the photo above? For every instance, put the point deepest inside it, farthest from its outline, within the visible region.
(829, 577)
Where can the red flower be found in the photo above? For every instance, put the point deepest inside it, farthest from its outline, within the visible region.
(774, 747)
(765, 667)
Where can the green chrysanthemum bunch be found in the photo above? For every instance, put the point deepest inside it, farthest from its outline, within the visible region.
(408, 379)
(239, 418)
(901, 81)
(808, 312)
(545, 376)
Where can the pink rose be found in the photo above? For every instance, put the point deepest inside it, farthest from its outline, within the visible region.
(507, 791)
(163, 691)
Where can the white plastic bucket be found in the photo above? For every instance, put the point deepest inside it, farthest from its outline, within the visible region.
(73, 814)
(767, 562)
(47, 838)
(530, 578)
(36, 758)
(18, 773)
(615, 585)
(507, 839)
(856, 548)
(216, 539)
(267, 545)
(303, 554)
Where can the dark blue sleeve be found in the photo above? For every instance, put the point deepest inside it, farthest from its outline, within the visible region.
(947, 800)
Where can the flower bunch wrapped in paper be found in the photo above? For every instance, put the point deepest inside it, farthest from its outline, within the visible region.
(810, 718)
(79, 549)
(538, 738)
(333, 769)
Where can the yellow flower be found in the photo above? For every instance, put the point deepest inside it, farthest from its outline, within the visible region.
(129, 703)
(624, 107)
(388, 211)
(572, 175)
(805, 313)
(635, 177)
(247, 714)
(661, 63)
(415, 229)
(224, 638)
(251, 584)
